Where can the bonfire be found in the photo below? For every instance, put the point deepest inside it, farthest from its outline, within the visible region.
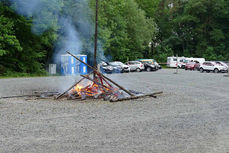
(100, 87)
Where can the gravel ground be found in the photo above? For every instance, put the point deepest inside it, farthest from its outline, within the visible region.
(191, 116)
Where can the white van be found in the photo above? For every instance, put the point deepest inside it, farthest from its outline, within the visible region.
(175, 61)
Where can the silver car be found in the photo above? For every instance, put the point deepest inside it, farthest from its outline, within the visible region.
(124, 68)
(135, 66)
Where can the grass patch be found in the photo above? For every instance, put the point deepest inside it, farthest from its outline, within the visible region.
(10, 74)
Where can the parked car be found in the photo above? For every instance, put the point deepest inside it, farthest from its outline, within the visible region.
(222, 63)
(120, 67)
(136, 66)
(197, 66)
(105, 67)
(212, 66)
(149, 66)
(158, 66)
(227, 62)
(190, 66)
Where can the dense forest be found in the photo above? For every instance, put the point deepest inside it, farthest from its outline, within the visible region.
(34, 33)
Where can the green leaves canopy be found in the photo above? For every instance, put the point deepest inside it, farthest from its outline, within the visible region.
(125, 29)
(197, 28)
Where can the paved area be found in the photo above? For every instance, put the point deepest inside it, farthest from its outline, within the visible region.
(191, 116)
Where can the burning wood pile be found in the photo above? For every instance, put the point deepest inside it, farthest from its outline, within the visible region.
(100, 87)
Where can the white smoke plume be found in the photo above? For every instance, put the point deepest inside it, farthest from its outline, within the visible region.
(75, 29)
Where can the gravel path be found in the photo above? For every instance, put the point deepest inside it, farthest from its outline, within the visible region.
(191, 116)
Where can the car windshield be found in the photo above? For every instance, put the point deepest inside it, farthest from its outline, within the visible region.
(104, 64)
(219, 63)
(224, 64)
(147, 62)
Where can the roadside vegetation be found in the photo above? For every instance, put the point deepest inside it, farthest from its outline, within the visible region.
(192, 28)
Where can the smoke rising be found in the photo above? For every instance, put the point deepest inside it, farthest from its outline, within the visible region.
(70, 19)
(45, 13)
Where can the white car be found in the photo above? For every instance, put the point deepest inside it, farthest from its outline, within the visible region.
(209, 66)
(222, 63)
(135, 66)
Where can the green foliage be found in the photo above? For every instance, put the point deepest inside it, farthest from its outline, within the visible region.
(8, 41)
(20, 49)
(9, 74)
(149, 6)
(124, 29)
(162, 52)
(194, 28)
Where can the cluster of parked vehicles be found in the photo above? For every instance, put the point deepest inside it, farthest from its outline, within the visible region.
(130, 66)
(187, 63)
(197, 64)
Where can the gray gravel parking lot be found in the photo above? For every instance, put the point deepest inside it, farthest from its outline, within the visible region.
(191, 116)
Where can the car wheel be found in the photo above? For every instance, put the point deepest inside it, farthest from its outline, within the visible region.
(138, 70)
(201, 70)
(216, 70)
(186, 69)
(148, 69)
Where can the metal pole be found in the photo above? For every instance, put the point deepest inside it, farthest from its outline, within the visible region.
(96, 36)
(176, 65)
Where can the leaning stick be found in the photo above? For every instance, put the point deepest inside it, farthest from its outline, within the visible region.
(61, 95)
(8, 97)
(136, 97)
(95, 70)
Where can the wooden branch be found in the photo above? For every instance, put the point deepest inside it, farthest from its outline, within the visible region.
(118, 86)
(136, 97)
(46, 94)
(95, 70)
(7, 97)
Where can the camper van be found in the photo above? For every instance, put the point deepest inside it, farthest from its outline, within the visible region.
(175, 61)
(182, 61)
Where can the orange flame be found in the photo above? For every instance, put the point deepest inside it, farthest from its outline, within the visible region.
(92, 89)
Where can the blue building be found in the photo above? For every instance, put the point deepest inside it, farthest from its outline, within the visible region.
(71, 66)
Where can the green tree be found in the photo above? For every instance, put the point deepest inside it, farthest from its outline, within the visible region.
(20, 49)
(124, 29)
(194, 28)
(149, 6)
(8, 41)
